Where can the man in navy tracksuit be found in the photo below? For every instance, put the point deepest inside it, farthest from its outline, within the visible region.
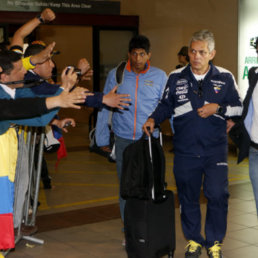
(200, 97)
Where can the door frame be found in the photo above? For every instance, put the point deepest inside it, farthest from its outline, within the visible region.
(96, 50)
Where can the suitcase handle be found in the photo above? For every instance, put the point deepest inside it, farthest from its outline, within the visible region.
(160, 134)
(151, 160)
(150, 150)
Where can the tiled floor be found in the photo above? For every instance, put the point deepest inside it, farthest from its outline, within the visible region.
(79, 217)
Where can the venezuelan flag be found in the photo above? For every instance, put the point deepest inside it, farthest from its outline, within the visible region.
(8, 158)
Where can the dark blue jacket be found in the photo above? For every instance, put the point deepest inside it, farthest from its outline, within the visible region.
(196, 136)
(46, 88)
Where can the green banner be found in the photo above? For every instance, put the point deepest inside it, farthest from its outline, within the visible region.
(66, 6)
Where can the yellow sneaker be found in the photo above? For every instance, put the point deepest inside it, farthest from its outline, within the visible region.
(193, 249)
(215, 251)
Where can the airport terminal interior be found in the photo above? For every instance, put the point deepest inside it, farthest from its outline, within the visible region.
(79, 216)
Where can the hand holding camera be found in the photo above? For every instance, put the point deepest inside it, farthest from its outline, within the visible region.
(75, 70)
(69, 78)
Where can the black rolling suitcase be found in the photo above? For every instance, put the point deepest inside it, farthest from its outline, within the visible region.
(149, 220)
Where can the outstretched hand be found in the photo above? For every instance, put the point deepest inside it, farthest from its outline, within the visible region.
(87, 76)
(70, 99)
(112, 99)
(86, 71)
(83, 65)
(43, 55)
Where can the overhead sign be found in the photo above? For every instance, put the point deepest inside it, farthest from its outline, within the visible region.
(67, 6)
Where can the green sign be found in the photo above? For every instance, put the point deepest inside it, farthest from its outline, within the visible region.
(250, 61)
(66, 6)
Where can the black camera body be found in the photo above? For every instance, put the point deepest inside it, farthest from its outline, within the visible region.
(75, 70)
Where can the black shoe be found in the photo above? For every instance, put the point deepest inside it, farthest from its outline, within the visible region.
(47, 182)
(47, 185)
(194, 249)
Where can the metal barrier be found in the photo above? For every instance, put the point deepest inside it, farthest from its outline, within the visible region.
(27, 180)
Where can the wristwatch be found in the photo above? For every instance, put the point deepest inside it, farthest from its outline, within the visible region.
(219, 110)
(40, 18)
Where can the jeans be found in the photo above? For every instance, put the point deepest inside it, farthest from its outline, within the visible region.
(253, 172)
(120, 144)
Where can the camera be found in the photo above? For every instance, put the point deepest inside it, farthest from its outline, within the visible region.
(75, 70)
(67, 124)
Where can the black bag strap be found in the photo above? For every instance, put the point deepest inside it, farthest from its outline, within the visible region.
(120, 72)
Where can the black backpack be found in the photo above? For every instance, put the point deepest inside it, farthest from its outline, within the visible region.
(139, 173)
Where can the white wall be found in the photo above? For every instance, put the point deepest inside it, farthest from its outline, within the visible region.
(169, 25)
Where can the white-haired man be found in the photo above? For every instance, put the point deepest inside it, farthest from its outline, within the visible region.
(200, 97)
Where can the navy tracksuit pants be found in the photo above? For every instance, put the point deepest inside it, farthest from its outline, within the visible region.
(211, 172)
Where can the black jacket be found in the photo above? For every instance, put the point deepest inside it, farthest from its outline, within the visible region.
(22, 108)
(238, 133)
